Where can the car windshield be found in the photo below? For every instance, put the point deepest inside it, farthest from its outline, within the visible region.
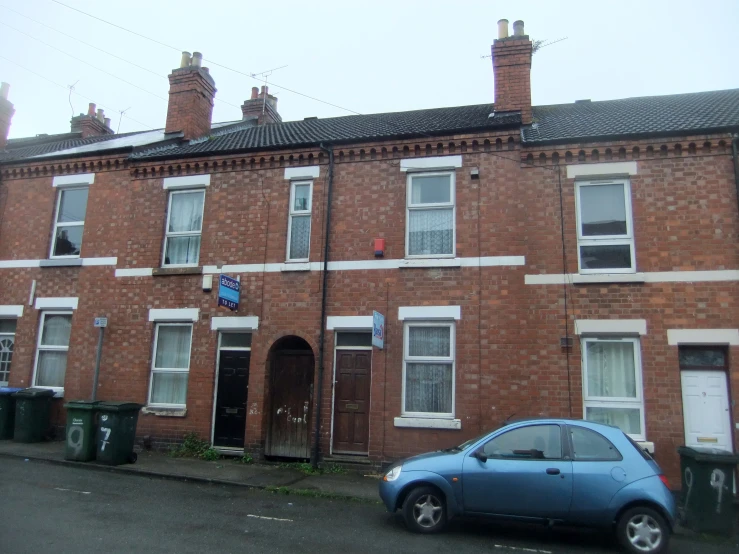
(466, 444)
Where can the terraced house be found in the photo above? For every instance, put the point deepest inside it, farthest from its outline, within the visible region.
(570, 260)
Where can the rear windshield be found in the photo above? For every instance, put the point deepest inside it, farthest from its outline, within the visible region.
(644, 454)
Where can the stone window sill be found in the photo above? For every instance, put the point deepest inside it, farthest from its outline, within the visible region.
(430, 262)
(162, 271)
(428, 422)
(67, 262)
(295, 266)
(608, 278)
(164, 412)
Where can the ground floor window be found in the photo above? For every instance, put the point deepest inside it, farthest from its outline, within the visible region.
(428, 369)
(171, 364)
(52, 349)
(612, 384)
(7, 341)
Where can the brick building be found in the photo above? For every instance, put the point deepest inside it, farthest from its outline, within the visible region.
(571, 260)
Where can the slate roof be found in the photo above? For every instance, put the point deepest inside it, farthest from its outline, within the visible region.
(27, 147)
(648, 115)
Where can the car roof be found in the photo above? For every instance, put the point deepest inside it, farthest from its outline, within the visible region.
(566, 421)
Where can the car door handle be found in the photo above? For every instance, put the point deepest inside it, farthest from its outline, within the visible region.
(552, 471)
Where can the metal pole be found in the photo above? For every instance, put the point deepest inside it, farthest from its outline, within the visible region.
(97, 364)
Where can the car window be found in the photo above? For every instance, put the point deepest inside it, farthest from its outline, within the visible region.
(589, 445)
(534, 442)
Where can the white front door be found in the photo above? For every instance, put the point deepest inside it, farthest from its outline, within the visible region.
(706, 409)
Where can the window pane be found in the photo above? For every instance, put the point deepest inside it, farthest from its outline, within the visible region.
(428, 388)
(173, 347)
(300, 237)
(536, 442)
(301, 199)
(68, 240)
(186, 212)
(430, 232)
(7, 325)
(612, 256)
(73, 205)
(429, 341)
(182, 250)
(435, 189)
(56, 330)
(709, 357)
(169, 388)
(6, 356)
(236, 340)
(354, 339)
(602, 210)
(589, 445)
(51, 368)
(626, 419)
(611, 370)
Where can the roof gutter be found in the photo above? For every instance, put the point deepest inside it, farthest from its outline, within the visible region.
(324, 289)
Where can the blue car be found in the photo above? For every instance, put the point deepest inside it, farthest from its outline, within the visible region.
(543, 470)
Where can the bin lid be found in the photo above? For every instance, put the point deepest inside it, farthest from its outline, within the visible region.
(33, 393)
(82, 404)
(119, 406)
(7, 391)
(708, 454)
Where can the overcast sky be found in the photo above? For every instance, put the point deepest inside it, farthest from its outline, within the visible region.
(368, 57)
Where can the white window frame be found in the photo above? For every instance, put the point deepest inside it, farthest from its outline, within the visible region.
(430, 359)
(58, 223)
(58, 391)
(12, 336)
(299, 213)
(606, 240)
(409, 206)
(173, 234)
(614, 402)
(154, 369)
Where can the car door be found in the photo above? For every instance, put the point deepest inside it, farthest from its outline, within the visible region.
(527, 473)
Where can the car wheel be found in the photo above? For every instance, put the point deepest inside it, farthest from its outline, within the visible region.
(425, 510)
(642, 530)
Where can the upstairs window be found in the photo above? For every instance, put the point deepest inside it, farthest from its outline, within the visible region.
(298, 232)
(605, 233)
(430, 215)
(69, 222)
(184, 227)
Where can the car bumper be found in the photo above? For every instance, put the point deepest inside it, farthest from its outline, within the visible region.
(389, 494)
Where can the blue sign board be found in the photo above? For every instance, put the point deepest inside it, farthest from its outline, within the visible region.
(228, 292)
(378, 330)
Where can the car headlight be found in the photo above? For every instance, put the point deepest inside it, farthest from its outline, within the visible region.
(393, 474)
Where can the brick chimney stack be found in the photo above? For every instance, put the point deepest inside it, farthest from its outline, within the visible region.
(512, 70)
(94, 124)
(6, 114)
(191, 94)
(261, 105)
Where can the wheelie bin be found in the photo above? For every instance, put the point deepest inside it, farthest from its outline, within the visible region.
(81, 420)
(7, 412)
(116, 431)
(32, 413)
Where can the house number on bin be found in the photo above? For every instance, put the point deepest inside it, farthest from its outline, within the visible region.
(104, 442)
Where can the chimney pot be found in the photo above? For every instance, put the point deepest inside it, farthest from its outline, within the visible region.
(518, 28)
(101, 115)
(6, 114)
(254, 93)
(107, 122)
(197, 59)
(502, 28)
(4, 88)
(264, 90)
(91, 109)
(185, 61)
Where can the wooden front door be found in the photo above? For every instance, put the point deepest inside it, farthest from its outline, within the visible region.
(233, 384)
(351, 404)
(291, 387)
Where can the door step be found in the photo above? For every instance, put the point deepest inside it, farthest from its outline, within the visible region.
(358, 463)
(228, 451)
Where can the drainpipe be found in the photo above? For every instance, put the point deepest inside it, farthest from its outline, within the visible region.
(735, 152)
(322, 336)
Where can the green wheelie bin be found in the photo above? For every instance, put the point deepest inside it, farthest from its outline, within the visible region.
(7, 412)
(81, 420)
(116, 431)
(32, 414)
(707, 488)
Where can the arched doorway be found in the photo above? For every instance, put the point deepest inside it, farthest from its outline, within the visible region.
(291, 364)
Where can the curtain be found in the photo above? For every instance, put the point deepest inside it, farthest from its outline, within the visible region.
(626, 419)
(299, 237)
(52, 365)
(430, 232)
(611, 371)
(429, 341)
(56, 330)
(186, 216)
(428, 386)
(173, 352)
(169, 388)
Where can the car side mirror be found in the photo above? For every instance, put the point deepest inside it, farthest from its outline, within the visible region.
(480, 455)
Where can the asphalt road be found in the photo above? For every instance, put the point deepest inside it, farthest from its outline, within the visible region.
(58, 509)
